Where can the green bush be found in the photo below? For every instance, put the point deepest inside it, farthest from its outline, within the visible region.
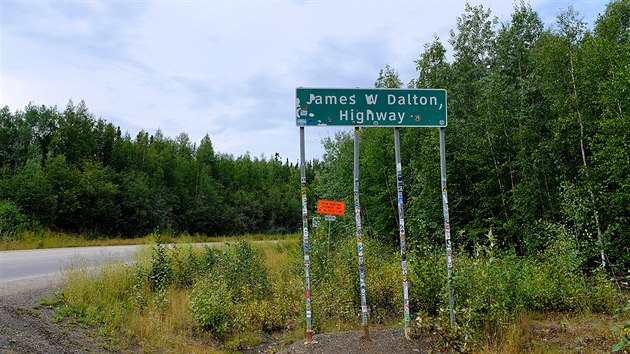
(185, 266)
(211, 305)
(492, 288)
(209, 258)
(160, 274)
(622, 329)
(245, 271)
(12, 221)
(236, 294)
(427, 282)
(334, 281)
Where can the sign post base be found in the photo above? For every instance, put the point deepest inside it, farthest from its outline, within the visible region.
(366, 333)
(407, 333)
(309, 337)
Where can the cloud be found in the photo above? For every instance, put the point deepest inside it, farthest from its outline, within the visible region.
(226, 68)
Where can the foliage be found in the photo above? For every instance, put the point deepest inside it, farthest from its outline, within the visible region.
(246, 272)
(492, 288)
(536, 139)
(537, 136)
(538, 189)
(161, 273)
(211, 305)
(12, 221)
(622, 329)
(247, 288)
(70, 171)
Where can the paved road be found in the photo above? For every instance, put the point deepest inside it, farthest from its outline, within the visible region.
(26, 264)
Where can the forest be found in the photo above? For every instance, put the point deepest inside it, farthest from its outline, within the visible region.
(537, 148)
(69, 171)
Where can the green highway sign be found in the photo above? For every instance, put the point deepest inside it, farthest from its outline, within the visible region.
(370, 107)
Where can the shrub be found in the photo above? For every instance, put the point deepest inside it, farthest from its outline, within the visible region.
(185, 267)
(622, 329)
(160, 274)
(245, 272)
(209, 258)
(491, 290)
(427, 281)
(236, 295)
(211, 305)
(12, 221)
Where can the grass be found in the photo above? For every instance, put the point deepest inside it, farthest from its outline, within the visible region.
(560, 333)
(118, 299)
(504, 303)
(51, 239)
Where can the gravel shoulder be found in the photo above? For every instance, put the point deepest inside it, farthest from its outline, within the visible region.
(390, 341)
(27, 326)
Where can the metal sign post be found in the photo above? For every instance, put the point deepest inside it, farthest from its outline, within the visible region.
(307, 275)
(330, 219)
(357, 214)
(403, 251)
(447, 229)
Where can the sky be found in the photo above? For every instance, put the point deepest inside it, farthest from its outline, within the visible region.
(226, 68)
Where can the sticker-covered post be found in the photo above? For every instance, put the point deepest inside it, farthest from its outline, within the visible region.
(359, 229)
(401, 227)
(307, 264)
(447, 229)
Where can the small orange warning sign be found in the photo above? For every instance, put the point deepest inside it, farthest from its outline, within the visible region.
(330, 207)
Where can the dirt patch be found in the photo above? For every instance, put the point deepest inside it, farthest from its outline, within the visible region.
(27, 325)
(390, 341)
(572, 333)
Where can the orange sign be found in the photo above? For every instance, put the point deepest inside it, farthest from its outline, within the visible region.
(330, 207)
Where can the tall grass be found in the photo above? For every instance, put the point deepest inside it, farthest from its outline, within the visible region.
(180, 299)
(52, 239)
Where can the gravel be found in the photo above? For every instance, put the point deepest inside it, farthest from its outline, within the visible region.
(26, 326)
(390, 341)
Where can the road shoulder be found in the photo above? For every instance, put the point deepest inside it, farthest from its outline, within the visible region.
(26, 326)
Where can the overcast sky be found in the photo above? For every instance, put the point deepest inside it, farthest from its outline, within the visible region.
(228, 69)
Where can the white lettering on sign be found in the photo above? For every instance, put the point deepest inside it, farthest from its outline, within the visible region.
(374, 107)
(411, 100)
(331, 99)
(371, 99)
(369, 115)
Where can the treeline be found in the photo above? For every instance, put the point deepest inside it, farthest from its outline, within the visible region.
(537, 142)
(69, 171)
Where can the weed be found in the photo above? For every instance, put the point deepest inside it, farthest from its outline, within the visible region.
(622, 329)
(211, 305)
(30, 312)
(160, 274)
(47, 302)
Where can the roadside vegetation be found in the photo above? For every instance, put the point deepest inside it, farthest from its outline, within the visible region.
(185, 299)
(26, 240)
